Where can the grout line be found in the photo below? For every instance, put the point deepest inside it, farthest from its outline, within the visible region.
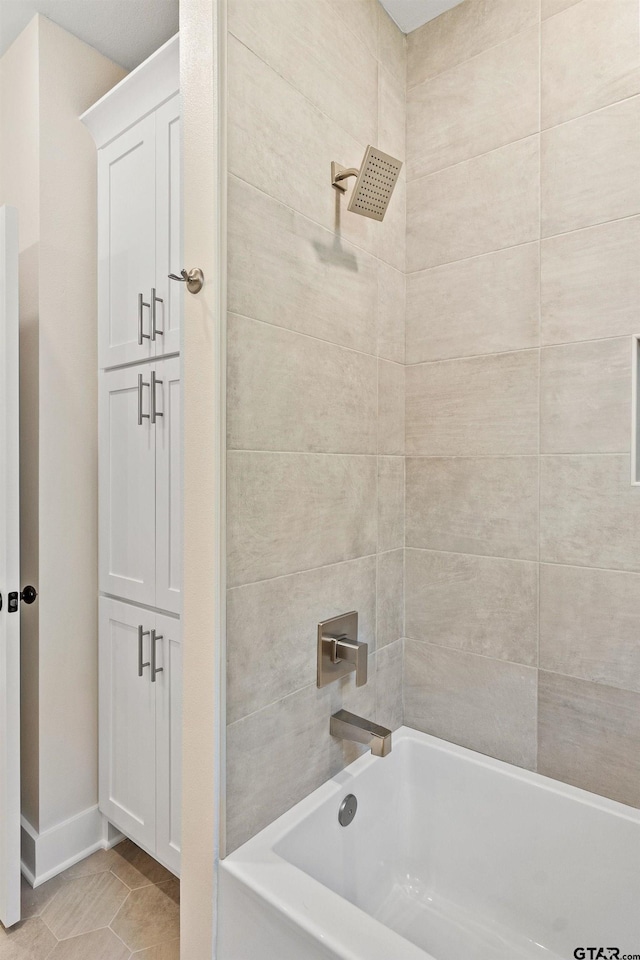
(515, 456)
(472, 653)
(270, 66)
(523, 243)
(310, 336)
(539, 477)
(466, 59)
(298, 573)
(530, 560)
(542, 346)
(476, 156)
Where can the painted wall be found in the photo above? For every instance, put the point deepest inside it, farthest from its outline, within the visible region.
(315, 390)
(523, 551)
(48, 172)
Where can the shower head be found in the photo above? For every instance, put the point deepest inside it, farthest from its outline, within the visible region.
(374, 185)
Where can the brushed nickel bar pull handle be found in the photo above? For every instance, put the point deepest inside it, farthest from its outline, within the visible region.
(141, 633)
(155, 670)
(142, 336)
(154, 301)
(141, 416)
(154, 382)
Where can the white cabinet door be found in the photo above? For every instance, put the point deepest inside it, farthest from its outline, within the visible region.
(127, 485)
(168, 685)
(9, 573)
(126, 245)
(127, 726)
(168, 428)
(168, 227)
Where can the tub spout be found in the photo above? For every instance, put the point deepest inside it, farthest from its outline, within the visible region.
(347, 726)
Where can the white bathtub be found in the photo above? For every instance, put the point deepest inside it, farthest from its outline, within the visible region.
(451, 855)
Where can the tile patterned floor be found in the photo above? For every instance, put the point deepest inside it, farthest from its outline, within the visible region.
(118, 904)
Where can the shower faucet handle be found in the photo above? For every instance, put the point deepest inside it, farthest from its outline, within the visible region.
(339, 652)
(356, 653)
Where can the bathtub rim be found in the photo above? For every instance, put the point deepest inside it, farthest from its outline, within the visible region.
(307, 903)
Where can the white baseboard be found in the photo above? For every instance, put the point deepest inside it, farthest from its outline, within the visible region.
(46, 854)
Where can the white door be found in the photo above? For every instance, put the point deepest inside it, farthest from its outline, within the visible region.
(9, 574)
(127, 726)
(126, 245)
(127, 485)
(169, 258)
(168, 683)
(168, 426)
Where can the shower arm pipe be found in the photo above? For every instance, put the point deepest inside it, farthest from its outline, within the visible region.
(338, 174)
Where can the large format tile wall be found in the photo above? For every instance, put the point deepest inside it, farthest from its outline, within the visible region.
(523, 291)
(315, 390)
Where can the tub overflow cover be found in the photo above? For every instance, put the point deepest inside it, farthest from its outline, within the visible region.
(347, 810)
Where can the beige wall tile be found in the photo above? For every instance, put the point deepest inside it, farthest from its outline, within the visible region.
(478, 604)
(589, 735)
(290, 161)
(488, 304)
(483, 103)
(589, 169)
(391, 115)
(590, 58)
(304, 42)
(465, 31)
(392, 46)
(486, 705)
(291, 392)
(584, 397)
(390, 596)
(361, 16)
(390, 503)
(288, 512)
(479, 506)
(589, 624)
(391, 313)
(551, 7)
(285, 269)
(391, 383)
(389, 701)
(262, 784)
(591, 282)
(479, 406)
(589, 512)
(272, 629)
(391, 233)
(475, 207)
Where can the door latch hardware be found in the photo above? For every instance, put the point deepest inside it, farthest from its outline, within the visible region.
(28, 595)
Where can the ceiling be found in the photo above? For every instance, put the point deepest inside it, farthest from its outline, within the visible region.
(127, 31)
(411, 14)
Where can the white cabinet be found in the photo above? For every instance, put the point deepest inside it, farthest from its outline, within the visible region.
(136, 127)
(140, 240)
(140, 484)
(140, 726)
(168, 427)
(169, 241)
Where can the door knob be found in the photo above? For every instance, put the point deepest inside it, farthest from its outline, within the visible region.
(193, 278)
(28, 595)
